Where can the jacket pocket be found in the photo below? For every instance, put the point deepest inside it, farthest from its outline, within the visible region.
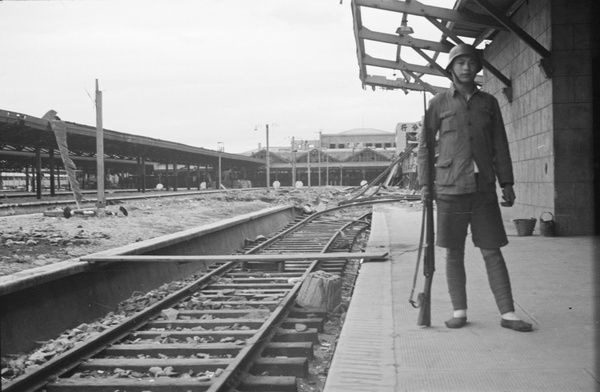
(448, 121)
(444, 174)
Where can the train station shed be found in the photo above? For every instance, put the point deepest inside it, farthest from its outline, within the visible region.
(29, 142)
(540, 60)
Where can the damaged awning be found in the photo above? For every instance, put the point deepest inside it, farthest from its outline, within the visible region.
(383, 28)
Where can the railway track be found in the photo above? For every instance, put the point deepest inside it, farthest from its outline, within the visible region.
(233, 328)
(22, 204)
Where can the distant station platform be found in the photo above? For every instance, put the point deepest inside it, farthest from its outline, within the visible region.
(553, 279)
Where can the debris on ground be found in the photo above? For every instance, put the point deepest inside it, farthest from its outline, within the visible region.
(34, 240)
(29, 241)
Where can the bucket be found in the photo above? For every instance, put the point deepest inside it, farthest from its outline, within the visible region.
(524, 226)
(547, 227)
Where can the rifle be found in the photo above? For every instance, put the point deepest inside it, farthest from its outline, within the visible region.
(424, 298)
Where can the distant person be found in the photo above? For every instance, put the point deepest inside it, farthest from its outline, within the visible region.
(473, 154)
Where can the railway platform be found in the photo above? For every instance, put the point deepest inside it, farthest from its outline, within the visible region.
(554, 287)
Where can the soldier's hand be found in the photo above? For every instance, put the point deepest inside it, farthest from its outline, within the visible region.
(508, 195)
(424, 193)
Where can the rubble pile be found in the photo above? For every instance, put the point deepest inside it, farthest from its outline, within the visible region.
(30, 241)
(39, 246)
(37, 236)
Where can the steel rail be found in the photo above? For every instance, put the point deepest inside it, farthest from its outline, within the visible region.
(376, 198)
(355, 237)
(36, 379)
(349, 204)
(331, 242)
(231, 377)
(69, 360)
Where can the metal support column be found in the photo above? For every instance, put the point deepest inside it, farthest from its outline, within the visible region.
(38, 172)
(51, 163)
(143, 175)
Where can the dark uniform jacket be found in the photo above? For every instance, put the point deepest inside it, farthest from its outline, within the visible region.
(468, 132)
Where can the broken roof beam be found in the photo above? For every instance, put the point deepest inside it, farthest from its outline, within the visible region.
(519, 32)
(405, 40)
(360, 43)
(486, 34)
(401, 66)
(425, 85)
(416, 8)
(417, 44)
(381, 81)
(433, 63)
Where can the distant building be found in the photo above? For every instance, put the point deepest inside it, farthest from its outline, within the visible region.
(346, 158)
(359, 138)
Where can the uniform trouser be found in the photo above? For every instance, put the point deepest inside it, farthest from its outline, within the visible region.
(479, 210)
(497, 276)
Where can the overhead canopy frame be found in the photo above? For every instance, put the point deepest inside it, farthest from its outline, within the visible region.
(474, 20)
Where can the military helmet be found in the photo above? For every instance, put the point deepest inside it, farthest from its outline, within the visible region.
(463, 50)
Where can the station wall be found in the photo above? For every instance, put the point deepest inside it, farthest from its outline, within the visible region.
(549, 121)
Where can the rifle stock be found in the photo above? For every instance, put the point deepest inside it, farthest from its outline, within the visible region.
(424, 298)
(424, 318)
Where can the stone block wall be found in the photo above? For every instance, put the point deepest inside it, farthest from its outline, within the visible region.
(549, 121)
(572, 46)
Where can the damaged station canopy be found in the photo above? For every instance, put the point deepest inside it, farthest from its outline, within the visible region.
(393, 55)
(29, 141)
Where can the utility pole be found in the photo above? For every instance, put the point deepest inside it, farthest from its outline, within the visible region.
(220, 147)
(327, 170)
(319, 151)
(101, 204)
(308, 158)
(268, 161)
(293, 163)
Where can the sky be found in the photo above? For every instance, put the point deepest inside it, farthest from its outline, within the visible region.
(198, 72)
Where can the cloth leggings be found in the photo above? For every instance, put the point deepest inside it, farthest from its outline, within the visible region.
(497, 276)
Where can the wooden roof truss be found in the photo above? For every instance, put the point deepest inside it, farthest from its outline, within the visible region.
(477, 20)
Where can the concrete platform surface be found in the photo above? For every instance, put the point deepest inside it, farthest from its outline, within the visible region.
(554, 287)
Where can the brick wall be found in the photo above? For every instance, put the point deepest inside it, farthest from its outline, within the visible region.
(573, 109)
(549, 119)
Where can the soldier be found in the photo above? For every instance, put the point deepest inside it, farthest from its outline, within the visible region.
(473, 154)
